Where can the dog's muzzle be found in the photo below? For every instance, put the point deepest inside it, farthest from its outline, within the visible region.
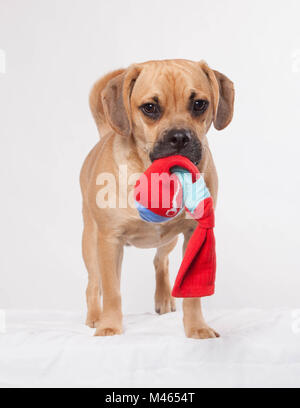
(178, 141)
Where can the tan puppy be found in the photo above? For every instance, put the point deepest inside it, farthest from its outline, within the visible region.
(150, 110)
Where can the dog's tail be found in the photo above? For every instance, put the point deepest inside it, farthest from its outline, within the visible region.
(95, 101)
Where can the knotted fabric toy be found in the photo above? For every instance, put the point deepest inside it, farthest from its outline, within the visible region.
(167, 187)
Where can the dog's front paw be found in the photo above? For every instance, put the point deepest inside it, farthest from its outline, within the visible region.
(202, 332)
(92, 323)
(93, 318)
(164, 302)
(107, 331)
(109, 327)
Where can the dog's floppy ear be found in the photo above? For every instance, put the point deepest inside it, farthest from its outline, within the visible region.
(95, 100)
(116, 100)
(223, 95)
(226, 101)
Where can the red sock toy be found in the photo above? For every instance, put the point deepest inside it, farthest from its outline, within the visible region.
(167, 187)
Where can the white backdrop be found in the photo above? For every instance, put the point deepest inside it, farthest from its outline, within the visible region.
(55, 50)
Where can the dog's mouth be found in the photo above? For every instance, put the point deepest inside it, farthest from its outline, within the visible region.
(192, 150)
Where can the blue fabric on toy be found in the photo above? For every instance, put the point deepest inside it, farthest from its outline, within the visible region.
(193, 193)
(148, 215)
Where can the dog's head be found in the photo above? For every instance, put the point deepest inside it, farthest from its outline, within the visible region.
(167, 106)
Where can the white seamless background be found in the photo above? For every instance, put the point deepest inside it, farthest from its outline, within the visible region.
(55, 50)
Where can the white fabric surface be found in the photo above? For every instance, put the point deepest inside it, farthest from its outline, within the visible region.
(257, 348)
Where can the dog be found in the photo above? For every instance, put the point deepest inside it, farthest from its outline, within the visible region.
(148, 111)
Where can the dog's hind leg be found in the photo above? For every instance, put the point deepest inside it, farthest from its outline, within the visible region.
(164, 302)
(90, 256)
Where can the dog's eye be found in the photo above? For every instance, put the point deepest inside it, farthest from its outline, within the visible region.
(151, 109)
(199, 106)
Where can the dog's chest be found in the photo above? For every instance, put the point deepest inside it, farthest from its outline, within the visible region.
(152, 235)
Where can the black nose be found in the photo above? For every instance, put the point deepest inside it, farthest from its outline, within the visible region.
(178, 138)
